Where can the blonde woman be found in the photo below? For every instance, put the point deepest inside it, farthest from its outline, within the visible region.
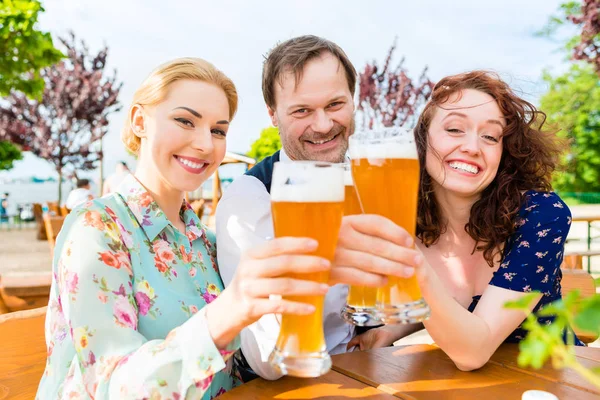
(135, 310)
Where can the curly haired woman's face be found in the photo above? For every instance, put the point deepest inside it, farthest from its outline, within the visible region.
(465, 143)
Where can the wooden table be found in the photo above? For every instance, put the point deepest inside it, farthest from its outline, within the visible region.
(24, 291)
(424, 372)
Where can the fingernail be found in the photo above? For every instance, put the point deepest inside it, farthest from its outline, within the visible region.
(418, 259)
(409, 242)
(409, 271)
(312, 244)
(310, 309)
(325, 263)
(324, 287)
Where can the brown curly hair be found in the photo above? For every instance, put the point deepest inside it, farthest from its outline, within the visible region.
(529, 156)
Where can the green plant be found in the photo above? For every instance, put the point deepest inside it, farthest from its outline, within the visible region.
(9, 153)
(24, 50)
(267, 144)
(544, 342)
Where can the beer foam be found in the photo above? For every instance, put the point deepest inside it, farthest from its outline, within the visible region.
(382, 149)
(310, 185)
(348, 177)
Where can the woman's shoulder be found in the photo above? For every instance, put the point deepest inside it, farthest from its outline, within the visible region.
(106, 208)
(543, 206)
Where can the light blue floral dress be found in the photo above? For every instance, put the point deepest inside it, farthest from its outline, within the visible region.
(125, 318)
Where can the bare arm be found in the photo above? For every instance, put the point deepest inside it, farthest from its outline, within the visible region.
(531, 262)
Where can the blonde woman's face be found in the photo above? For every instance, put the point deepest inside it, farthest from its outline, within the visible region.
(184, 135)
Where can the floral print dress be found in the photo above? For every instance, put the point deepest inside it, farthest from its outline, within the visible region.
(125, 318)
(533, 254)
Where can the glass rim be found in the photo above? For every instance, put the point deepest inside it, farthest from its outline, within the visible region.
(309, 163)
(383, 134)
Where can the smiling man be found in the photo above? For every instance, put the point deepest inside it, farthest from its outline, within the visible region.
(308, 85)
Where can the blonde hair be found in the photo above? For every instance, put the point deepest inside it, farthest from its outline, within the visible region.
(154, 89)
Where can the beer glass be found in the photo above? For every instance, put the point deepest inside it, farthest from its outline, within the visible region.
(307, 200)
(385, 169)
(360, 305)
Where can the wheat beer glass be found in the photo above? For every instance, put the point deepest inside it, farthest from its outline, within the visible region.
(385, 169)
(360, 305)
(307, 200)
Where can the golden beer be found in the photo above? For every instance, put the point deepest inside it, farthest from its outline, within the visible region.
(360, 304)
(320, 221)
(386, 177)
(307, 200)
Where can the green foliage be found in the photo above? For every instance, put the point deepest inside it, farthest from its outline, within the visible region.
(545, 342)
(267, 144)
(555, 22)
(573, 105)
(8, 154)
(23, 49)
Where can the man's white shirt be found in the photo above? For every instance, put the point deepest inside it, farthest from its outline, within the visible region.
(77, 197)
(243, 221)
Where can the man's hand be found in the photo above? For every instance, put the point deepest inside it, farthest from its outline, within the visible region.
(384, 336)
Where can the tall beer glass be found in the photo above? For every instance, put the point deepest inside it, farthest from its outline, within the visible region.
(385, 168)
(360, 305)
(307, 200)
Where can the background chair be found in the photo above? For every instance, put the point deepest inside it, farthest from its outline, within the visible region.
(23, 353)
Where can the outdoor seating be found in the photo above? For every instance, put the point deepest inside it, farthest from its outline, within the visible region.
(23, 353)
(584, 282)
(38, 214)
(24, 292)
(53, 225)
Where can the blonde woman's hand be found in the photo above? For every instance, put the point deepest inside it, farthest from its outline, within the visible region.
(261, 273)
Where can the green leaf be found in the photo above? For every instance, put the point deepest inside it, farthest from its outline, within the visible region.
(588, 318)
(534, 353)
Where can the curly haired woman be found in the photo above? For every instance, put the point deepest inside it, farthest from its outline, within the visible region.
(489, 226)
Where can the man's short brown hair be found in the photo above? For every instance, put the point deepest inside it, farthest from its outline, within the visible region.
(292, 55)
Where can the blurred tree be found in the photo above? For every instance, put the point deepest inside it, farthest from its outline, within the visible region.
(573, 104)
(9, 153)
(65, 127)
(573, 99)
(23, 49)
(584, 16)
(267, 144)
(387, 96)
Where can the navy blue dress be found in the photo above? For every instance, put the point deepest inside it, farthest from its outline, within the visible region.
(533, 254)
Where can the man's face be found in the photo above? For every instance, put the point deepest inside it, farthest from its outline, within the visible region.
(315, 116)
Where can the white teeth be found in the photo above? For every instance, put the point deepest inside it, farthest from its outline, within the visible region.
(461, 166)
(190, 164)
(322, 141)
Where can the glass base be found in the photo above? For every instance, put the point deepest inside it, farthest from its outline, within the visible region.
(409, 313)
(360, 316)
(308, 365)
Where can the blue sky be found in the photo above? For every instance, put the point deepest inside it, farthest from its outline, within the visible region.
(449, 37)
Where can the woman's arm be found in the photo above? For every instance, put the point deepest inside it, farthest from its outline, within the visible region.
(530, 263)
